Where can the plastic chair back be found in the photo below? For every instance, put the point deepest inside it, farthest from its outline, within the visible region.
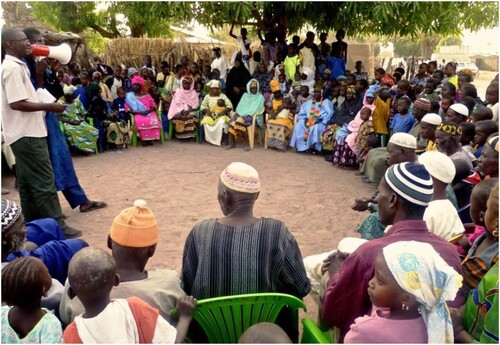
(224, 319)
(312, 334)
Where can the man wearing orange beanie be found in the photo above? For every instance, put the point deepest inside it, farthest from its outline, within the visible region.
(132, 239)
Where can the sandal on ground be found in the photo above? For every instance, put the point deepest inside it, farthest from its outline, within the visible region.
(246, 148)
(95, 205)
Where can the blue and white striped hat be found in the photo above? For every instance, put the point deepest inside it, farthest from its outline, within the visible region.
(411, 181)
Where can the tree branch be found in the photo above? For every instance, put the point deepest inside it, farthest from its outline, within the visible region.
(104, 33)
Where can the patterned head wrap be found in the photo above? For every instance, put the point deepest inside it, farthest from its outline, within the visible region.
(274, 85)
(410, 181)
(422, 104)
(420, 271)
(241, 177)
(10, 213)
(449, 128)
(493, 142)
(138, 80)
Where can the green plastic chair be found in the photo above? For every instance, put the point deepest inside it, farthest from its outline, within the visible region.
(224, 319)
(134, 133)
(312, 334)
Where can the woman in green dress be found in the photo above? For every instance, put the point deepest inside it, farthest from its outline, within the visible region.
(79, 134)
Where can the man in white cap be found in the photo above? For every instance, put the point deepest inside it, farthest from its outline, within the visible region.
(428, 126)
(405, 192)
(457, 113)
(401, 148)
(441, 215)
(240, 253)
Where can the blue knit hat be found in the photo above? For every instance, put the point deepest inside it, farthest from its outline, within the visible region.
(410, 181)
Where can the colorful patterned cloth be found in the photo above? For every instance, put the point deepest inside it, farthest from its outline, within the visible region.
(422, 272)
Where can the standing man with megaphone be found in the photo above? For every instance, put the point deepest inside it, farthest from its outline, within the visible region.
(23, 121)
(62, 164)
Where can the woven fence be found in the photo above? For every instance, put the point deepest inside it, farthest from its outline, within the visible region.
(131, 51)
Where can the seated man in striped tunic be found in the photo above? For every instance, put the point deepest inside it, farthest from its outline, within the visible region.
(239, 253)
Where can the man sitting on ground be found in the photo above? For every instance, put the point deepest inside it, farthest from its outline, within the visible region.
(132, 239)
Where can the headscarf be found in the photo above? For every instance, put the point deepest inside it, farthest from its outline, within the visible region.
(422, 272)
(493, 142)
(251, 104)
(69, 89)
(131, 71)
(93, 89)
(138, 80)
(468, 72)
(213, 84)
(182, 99)
(352, 88)
(274, 85)
(10, 213)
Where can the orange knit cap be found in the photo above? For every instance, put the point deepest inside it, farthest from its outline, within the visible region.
(135, 226)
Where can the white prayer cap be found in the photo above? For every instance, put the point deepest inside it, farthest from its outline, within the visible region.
(433, 119)
(439, 165)
(460, 109)
(241, 177)
(349, 245)
(404, 140)
(214, 83)
(69, 89)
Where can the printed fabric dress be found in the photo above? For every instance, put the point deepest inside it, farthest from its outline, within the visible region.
(217, 124)
(279, 129)
(148, 126)
(82, 137)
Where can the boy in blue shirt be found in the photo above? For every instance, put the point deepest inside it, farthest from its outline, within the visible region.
(403, 121)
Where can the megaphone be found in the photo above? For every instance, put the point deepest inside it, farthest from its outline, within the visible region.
(61, 52)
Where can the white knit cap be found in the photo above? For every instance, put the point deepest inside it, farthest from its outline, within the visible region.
(213, 83)
(432, 118)
(404, 140)
(241, 177)
(439, 165)
(460, 108)
(349, 245)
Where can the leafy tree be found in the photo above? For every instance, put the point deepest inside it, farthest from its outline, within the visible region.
(403, 18)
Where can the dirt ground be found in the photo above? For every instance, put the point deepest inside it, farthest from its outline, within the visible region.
(179, 182)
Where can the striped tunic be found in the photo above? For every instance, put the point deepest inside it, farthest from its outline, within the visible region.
(221, 260)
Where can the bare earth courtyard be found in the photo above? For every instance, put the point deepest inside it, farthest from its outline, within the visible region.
(179, 182)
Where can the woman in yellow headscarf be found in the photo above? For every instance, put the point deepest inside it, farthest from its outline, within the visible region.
(280, 122)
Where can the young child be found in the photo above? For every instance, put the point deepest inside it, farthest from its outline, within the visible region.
(92, 275)
(481, 114)
(283, 85)
(446, 102)
(484, 251)
(478, 203)
(408, 292)
(284, 113)
(336, 62)
(25, 281)
(155, 95)
(483, 130)
(364, 131)
(219, 109)
(119, 104)
(303, 97)
(292, 62)
(492, 99)
(466, 140)
(403, 121)
(296, 84)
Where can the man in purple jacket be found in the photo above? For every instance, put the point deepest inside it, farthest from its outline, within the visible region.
(405, 192)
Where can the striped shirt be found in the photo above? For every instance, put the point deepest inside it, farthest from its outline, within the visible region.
(221, 260)
(476, 265)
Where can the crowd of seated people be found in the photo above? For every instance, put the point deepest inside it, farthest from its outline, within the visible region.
(425, 271)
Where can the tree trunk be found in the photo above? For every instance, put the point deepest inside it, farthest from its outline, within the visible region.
(428, 47)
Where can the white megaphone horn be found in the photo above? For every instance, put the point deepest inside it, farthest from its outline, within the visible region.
(61, 52)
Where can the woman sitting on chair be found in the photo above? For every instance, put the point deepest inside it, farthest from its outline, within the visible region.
(143, 107)
(182, 110)
(215, 117)
(79, 134)
(280, 123)
(250, 105)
